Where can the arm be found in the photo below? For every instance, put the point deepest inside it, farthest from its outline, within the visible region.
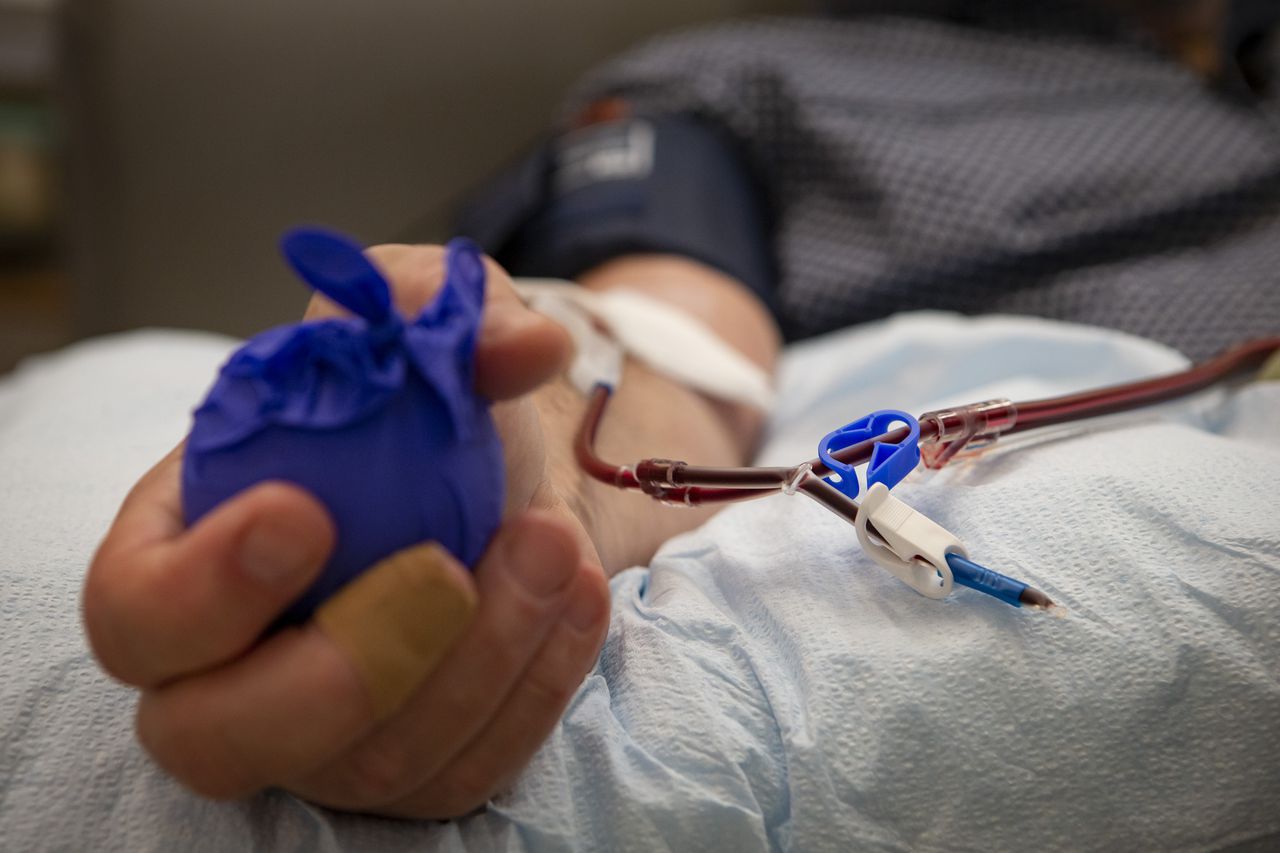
(652, 415)
(178, 613)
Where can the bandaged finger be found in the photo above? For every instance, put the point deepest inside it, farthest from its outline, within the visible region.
(398, 620)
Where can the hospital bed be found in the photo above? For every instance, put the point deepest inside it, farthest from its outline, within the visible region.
(763, 684)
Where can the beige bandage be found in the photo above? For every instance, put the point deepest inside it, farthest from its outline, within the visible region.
(397, 620)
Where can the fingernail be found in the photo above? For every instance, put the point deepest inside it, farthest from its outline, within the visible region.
(585, 610)
(541, 571)
(506, 319)
(270, 555)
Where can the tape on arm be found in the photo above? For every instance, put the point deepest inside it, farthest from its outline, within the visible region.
(655, 333)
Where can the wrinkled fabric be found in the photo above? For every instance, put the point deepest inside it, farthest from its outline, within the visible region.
(763, 686)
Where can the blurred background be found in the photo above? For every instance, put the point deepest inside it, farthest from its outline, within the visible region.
(151, 152)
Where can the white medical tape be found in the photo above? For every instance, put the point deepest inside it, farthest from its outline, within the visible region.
(655, 333)
(597, 359)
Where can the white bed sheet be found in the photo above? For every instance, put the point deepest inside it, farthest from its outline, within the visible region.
(763, 685)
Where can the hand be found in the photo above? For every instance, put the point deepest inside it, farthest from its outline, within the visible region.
(179, 613)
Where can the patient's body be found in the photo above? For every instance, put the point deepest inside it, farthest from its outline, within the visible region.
(1024, 158)
(1031, 165)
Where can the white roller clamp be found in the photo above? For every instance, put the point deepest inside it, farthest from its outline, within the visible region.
(909, 544)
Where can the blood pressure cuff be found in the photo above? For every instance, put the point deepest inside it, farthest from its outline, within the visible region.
(667, 184)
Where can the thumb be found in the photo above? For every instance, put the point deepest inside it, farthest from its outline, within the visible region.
(518, 348)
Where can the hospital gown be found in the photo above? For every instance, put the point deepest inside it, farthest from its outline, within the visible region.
(1032, 161)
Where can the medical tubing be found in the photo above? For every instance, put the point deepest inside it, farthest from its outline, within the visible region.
(661, 479)
(740, 484)
(674, 473)
(830, 497)
(585, 442)
(1088, 404)
(678, 483)
(966, 572)
(963, 571)
(690, 485)
(1131, 395)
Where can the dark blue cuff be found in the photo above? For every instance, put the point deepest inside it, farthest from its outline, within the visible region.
(671, 184)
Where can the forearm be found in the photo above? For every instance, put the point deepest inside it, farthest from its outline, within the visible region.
(653, 415)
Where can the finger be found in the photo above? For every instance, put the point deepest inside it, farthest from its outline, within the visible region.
(524, 581)
(397, 621)
(415, 274)
(279, 712)
(160, 602)
(497, 755)
(517, 350)
(306, 694)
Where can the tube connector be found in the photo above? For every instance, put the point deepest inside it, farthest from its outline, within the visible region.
(798, 475)
(908, 544)
(660, 479)
(964, 430)
(927, 557)
(659, 474)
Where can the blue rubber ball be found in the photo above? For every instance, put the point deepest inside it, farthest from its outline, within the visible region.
(374, 415)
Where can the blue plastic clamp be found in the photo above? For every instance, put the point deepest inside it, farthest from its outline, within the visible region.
(890, 462)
